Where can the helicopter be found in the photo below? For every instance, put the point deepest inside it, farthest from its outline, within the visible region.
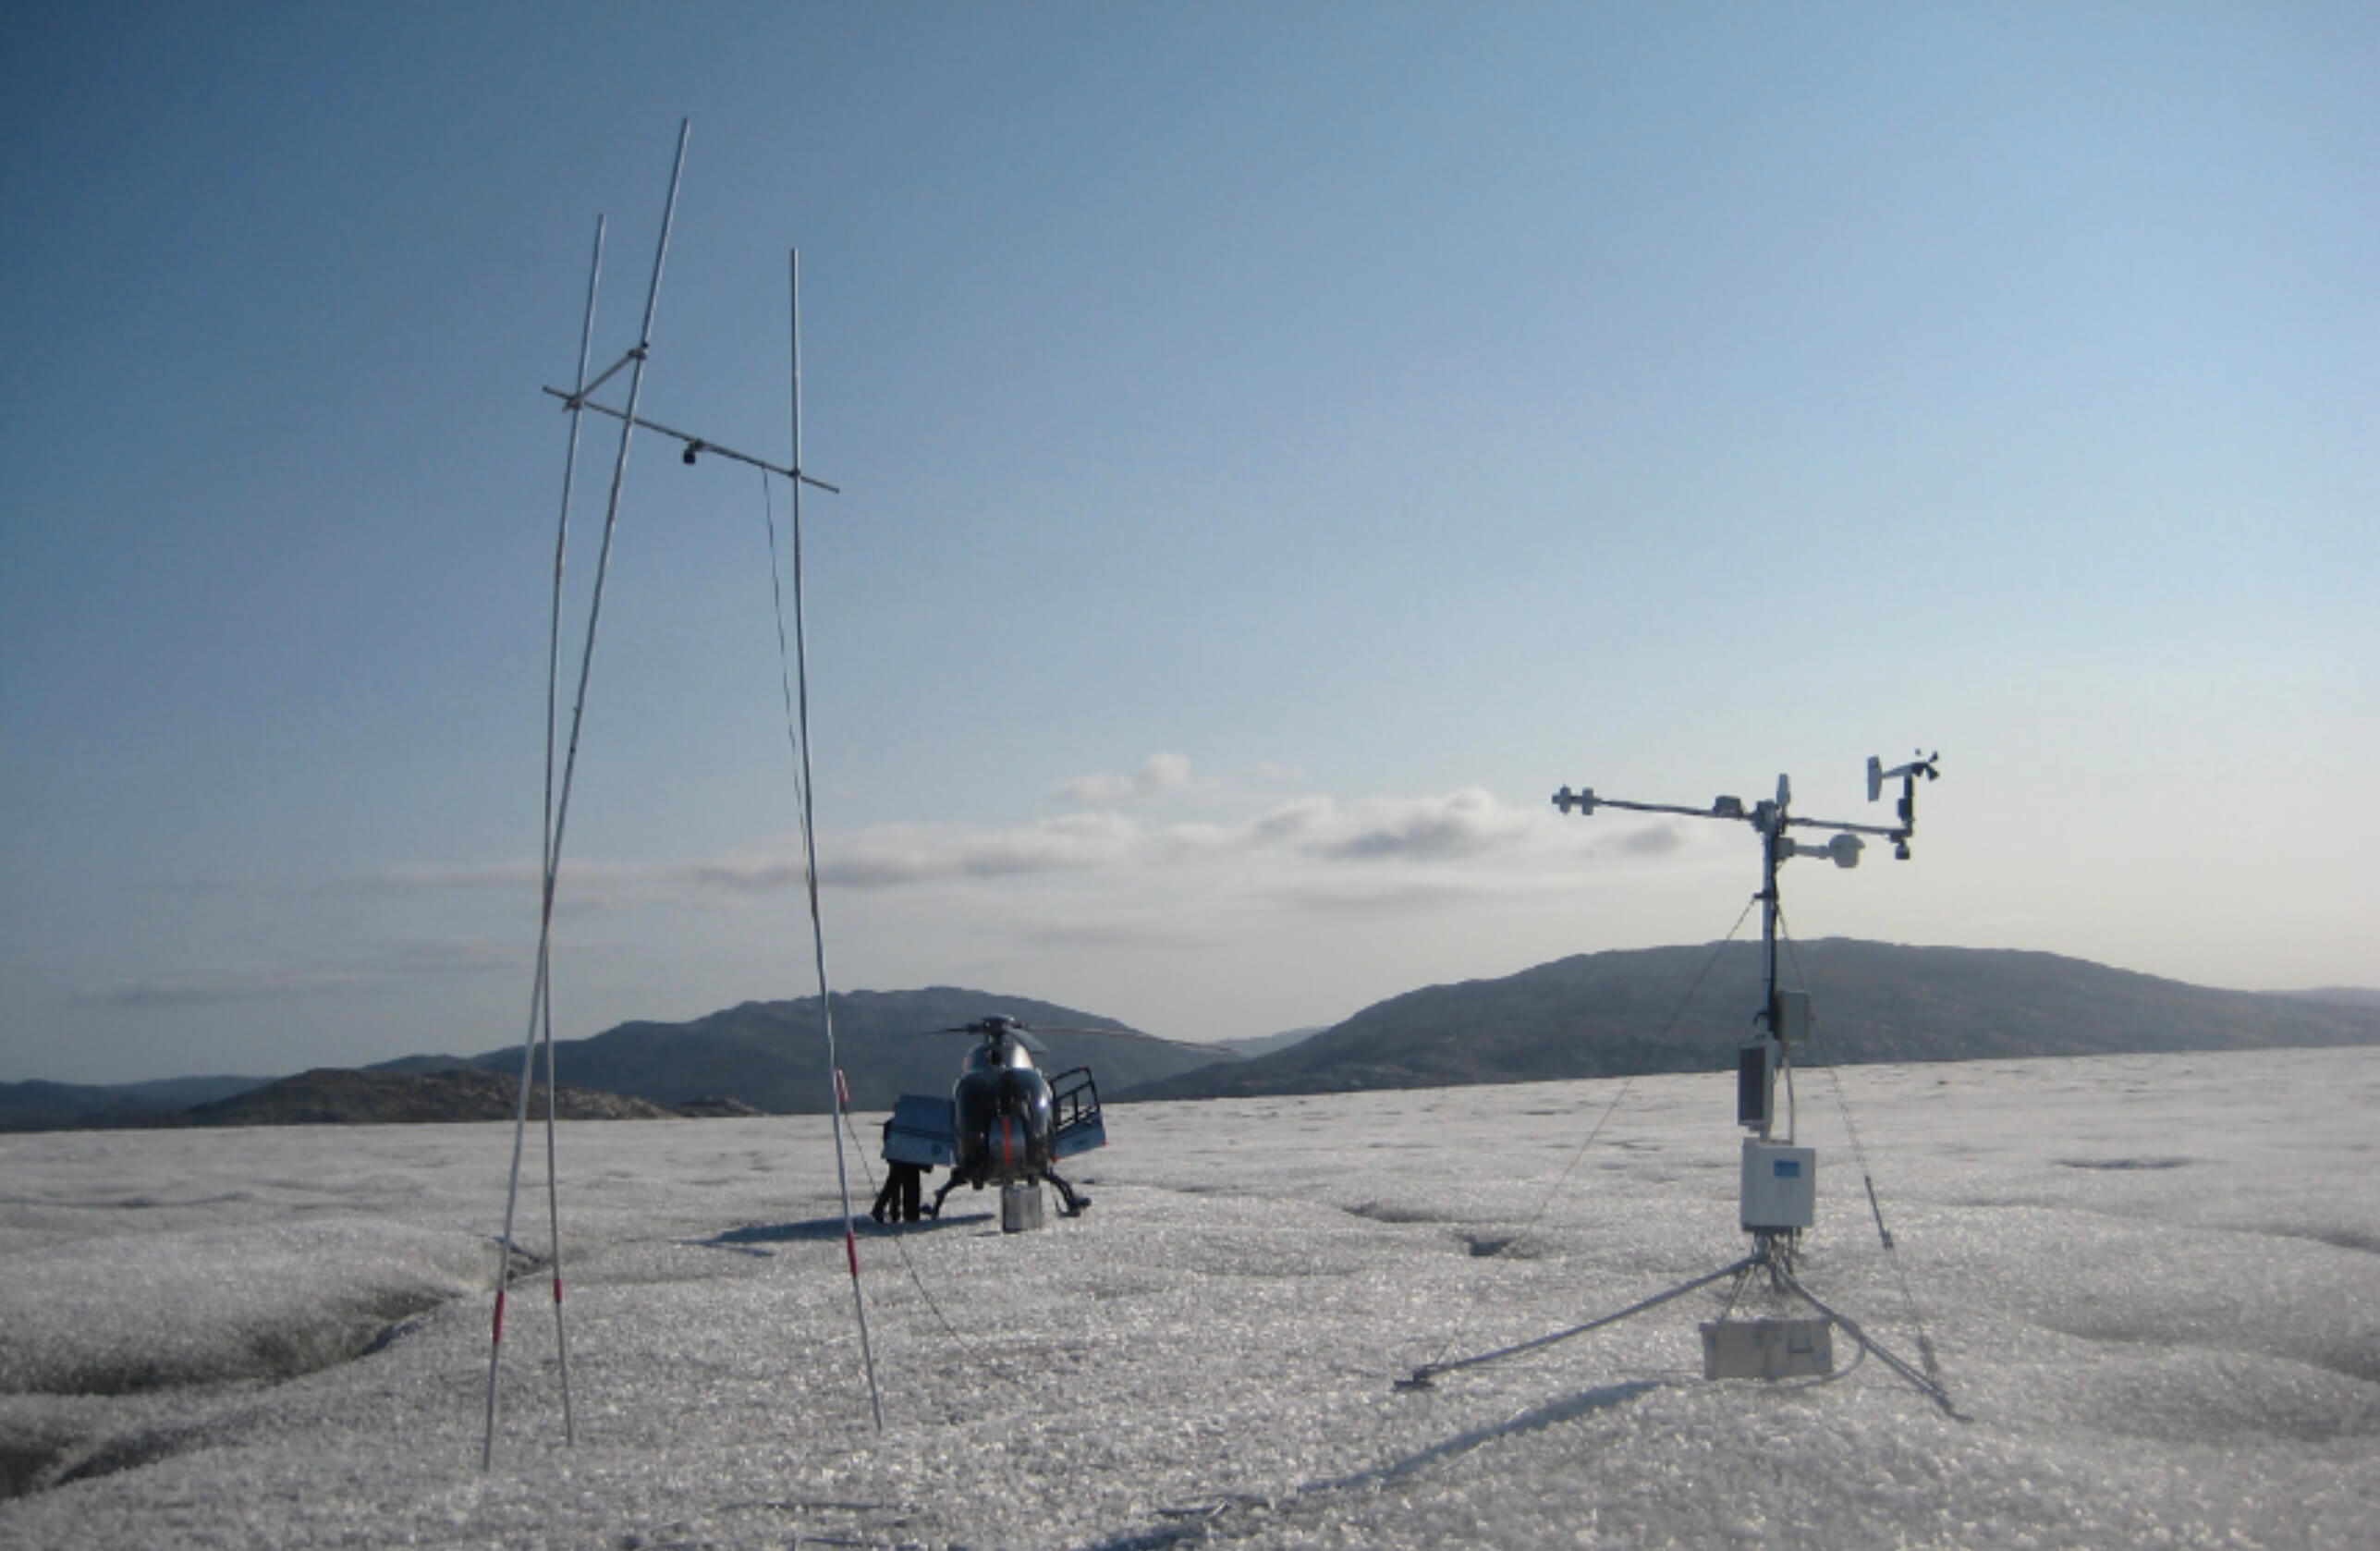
(1005, 1123)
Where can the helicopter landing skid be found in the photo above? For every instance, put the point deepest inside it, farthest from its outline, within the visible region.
(1075, 1203)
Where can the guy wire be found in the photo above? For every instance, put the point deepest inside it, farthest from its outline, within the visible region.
(808, 792)
(793, 746)
(784, 656)
(924, 1292)
(1867, 1176)
(1545, 1202)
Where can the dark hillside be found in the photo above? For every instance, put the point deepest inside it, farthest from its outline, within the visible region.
(38, 1107)
(773, 1055)
(338, 1096)
(1611, 1014)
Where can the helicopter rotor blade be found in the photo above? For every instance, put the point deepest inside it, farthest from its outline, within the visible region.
(1024, 1034)
(1103, 1034)
(987, 1028)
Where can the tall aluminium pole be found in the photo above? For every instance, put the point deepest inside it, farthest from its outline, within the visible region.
(544, 992)
(639, 355)
(809, 865)
(797, 731)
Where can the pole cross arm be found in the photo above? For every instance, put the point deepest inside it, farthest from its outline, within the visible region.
(694, 445)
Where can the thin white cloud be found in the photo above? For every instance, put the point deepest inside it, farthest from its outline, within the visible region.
(1380, 897)
(1465, 824)
(1652, 840)
(1115, 932)
(266, 981)
(892, 855)
(763, 872)
(1293, 819)
(595, 885)
(1459, 826)
(445, 877)
(1159, 774)
(220, 983)
(1314, 836)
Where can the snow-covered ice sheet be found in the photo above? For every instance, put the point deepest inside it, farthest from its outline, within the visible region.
(2153, 1283)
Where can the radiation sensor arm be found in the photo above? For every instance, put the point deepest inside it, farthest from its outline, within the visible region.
(1586, 802)
(1772, 819)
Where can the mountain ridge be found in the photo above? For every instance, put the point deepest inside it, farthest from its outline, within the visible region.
(1627, 1012)
(347, 1096)
(764, 1056)
(773, 1055)
(1614, 1013)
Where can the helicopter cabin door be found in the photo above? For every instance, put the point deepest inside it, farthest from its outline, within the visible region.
(920, 1132)
(1075, 1126)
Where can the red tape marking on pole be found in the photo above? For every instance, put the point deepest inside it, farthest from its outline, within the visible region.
(851, 1248)
(499, 1316)
(558, 1290)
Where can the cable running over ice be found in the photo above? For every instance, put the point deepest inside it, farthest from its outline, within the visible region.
(1545, 1202)
(973, 1354)
(802, 789)
(1867, 1178)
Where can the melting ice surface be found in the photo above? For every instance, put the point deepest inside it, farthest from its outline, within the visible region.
(2153, 1285)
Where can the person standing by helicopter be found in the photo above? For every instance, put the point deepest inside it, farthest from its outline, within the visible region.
(904, 1185)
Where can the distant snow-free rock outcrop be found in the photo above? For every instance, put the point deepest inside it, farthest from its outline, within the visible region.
(37, 1105)
(338, 1096)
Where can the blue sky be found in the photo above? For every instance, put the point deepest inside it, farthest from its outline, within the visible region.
(1279, 446)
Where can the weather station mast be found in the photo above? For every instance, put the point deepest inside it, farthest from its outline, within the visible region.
(1779, 1181)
